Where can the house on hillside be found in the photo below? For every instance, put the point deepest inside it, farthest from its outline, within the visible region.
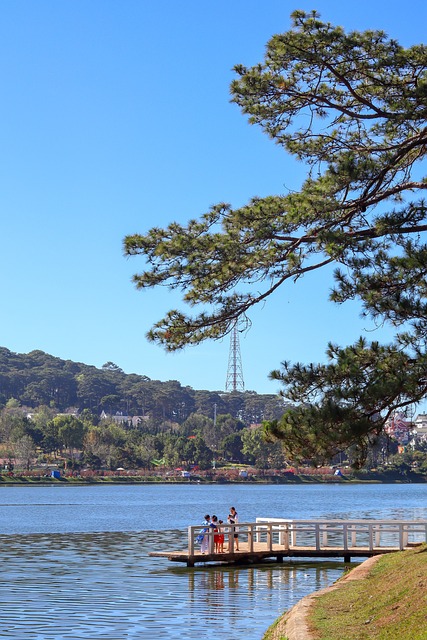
(123, 419)
(399, 428)
(138, 420)
(419, 427)
(118, 418)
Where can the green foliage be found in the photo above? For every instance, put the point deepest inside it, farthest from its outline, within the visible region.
(352, 107)
(260, 454)
(90, 390)
(345, 401)
(71, 431)
(25, 450)
(231, 448)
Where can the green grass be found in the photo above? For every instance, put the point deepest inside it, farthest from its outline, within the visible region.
(273, 632)
(389, 604)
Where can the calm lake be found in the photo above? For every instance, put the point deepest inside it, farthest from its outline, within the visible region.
(75, 559)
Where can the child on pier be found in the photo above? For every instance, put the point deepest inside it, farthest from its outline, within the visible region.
(219, 539)
(217, 534)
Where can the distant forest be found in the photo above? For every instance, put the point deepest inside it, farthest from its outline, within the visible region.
(37, 378)
(53, 409)
(59, 411)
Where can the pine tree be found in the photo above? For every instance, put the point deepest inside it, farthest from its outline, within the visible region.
(352, 107)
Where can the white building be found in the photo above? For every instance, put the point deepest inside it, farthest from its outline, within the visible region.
(419, 428)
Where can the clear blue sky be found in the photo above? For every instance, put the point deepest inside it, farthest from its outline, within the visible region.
(115, 117)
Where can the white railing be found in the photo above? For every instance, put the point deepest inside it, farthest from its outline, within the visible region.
(345, 534)
(268, 534)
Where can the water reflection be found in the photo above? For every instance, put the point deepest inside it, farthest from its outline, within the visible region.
(76, 566)
(255, 592)
(102, 585)
(288, 576)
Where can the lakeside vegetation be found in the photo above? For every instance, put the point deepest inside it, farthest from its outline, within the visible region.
(222, 475)
(52, 410)
(212, 435)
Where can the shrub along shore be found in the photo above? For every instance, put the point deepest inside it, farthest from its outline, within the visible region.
(208, 477)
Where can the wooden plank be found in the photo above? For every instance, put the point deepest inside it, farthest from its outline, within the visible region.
(245, 556)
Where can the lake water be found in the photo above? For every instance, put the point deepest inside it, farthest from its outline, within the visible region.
(76, 566)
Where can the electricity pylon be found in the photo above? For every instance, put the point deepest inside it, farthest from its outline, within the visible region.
(234, 380)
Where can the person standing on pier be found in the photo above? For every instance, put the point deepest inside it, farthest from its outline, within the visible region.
(203, 538)
(233, 519)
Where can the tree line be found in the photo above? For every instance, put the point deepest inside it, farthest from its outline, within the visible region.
(58, 409)
(85, 440)
(37, 379)
(176, 426)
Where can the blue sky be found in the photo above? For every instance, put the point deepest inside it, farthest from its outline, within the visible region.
(115, 117)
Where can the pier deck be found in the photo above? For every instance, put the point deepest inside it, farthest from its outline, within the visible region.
(275, 539)
(259, 554)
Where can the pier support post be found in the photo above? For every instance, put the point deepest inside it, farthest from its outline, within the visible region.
(347, 557)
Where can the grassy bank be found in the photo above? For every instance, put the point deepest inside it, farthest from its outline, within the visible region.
(390, 603)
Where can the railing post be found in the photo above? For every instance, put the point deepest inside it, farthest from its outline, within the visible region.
(405, 535)
(286, 537)
(230, 540)
(371, 536)
(325, 536)
(293, 535)
(190, 541)
(353, 535)
(269, 537)
(211, 540)
(345, 536)
(251, 538)
(401, 543)
(317, 535)
(377, 535)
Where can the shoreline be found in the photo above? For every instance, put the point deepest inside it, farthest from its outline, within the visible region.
(293, 624)
(386, 590)
(117, 480)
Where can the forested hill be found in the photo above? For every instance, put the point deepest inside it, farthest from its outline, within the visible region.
(37, 378)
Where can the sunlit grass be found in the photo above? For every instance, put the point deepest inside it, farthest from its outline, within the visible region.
(389, 604)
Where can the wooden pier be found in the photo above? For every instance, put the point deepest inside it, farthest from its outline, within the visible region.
(276, 539)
